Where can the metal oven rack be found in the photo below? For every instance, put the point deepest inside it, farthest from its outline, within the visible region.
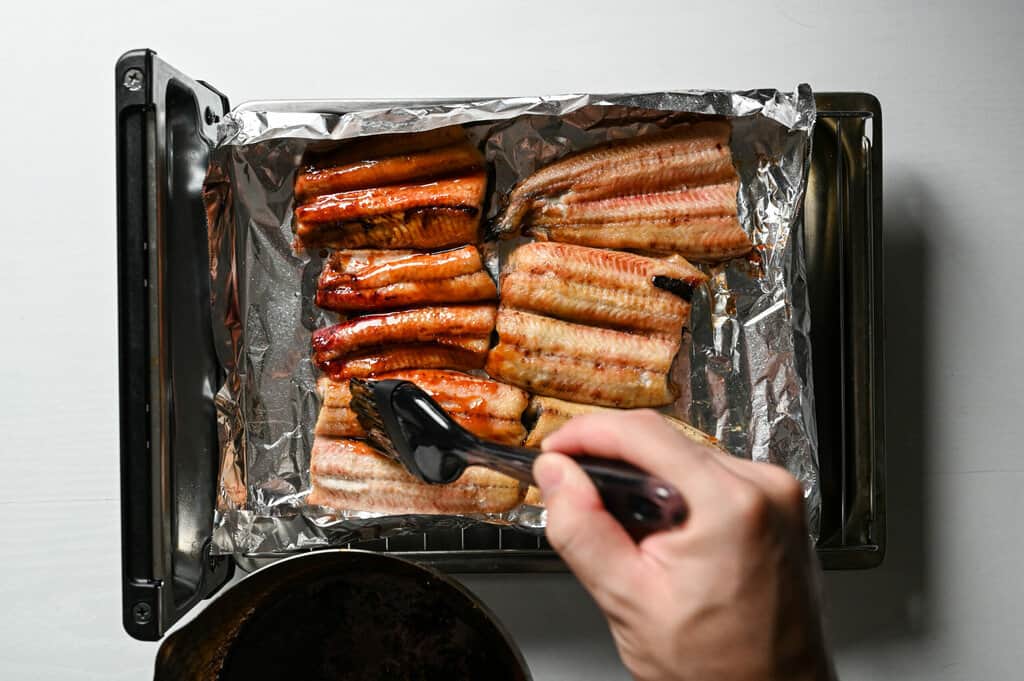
(165, 128)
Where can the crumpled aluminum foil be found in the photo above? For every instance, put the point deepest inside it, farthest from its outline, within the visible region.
(746, 374)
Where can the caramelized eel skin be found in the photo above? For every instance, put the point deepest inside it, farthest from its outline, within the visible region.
(486, 408)
(378, 280)
(378, 146)
(436, 214)
(455, 159)
(469, 356)
(451, 325)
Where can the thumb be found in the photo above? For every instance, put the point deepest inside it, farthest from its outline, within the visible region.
(590, 541)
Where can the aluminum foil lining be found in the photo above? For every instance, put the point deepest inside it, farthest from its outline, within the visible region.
(746, 370)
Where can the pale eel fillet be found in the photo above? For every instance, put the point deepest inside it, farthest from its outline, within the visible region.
(378, 281)
(601, 287)
(439, 324)
(454, 159)
(351, 475)
(545, 415)
(431, 215)
(376, 146)
(683, 156)
(712, 200)
(448, 353)
(486, 408)
(572, 361)
(701, 239)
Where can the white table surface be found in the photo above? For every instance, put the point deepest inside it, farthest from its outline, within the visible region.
(947, 603)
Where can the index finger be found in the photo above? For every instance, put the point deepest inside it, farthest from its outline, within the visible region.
(644, 439)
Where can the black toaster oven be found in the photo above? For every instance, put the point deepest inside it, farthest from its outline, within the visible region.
(169, 374)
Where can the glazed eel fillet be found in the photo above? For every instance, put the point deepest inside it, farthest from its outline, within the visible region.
(351, 475)
(436, 214)
(672, 191)
(460, 158)
(547, 414)
(380, 146)
(444, 336)
(378, 280)
(601, 287)
(486, 408)
(588, 364)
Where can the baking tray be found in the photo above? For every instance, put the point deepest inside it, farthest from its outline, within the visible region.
(169, 373)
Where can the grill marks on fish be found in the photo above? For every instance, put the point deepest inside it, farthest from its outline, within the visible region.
(712, 200)
(596, 365)
(432, 215)
(600, 287)
(351, 475)
(684, 166)
(626, 166)
(455, 159)
(378, 280)
(701, 239)
(672, 191)
(486, 408)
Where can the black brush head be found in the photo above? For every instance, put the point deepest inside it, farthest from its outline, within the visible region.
(367, 399)
(406, 424)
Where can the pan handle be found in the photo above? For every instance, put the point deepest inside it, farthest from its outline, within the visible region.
(166, 361)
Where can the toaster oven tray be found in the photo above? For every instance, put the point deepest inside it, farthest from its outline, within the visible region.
(169, 373)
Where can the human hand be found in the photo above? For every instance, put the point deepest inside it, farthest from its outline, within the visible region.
(728, 596)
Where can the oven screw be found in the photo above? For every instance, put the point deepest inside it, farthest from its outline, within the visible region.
(133, 80)
(142, 613)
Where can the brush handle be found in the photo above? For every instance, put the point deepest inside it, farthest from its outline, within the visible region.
(642, 503)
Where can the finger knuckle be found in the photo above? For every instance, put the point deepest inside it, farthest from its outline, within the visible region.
(751, 507)
(791, 492)
(785, 488)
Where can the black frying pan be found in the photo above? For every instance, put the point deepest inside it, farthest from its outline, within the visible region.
(338, 614)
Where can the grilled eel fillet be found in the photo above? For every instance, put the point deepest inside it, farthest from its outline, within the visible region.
(351, 475)
(671, 191)
(378, 280)
(437, 214)
(486, 408)
(416, 325)
(572, 361)
(547, 414)
(460, 158)
(444, 336)
(601, 287)
(381, 146)
(446, 354)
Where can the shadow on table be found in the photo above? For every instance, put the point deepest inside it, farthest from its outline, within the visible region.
(891, 603)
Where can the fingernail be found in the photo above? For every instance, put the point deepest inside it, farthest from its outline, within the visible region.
(548, 474)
